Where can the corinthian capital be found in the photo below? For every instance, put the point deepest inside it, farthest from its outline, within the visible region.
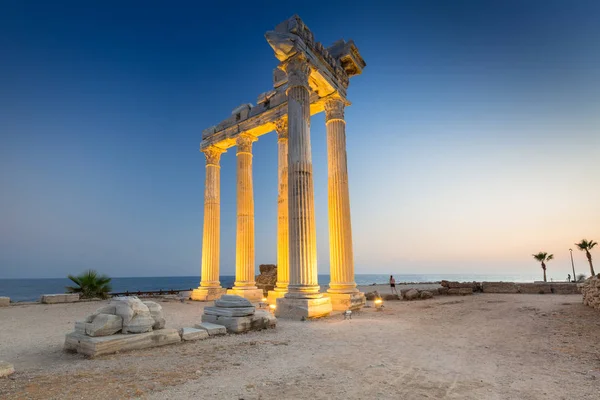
(281, 127)
(213, 155)
(298, 70)
(244, 143)
(334, 109)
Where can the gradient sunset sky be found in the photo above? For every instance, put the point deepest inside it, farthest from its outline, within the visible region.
(473, 137)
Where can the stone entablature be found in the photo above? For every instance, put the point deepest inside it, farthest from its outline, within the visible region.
(329, 73)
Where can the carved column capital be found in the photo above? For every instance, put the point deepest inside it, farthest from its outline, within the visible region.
(334, 109)
(244, 143)
(213, 155)
(281, 127)
(298, 70)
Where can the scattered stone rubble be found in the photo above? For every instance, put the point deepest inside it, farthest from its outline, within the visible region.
(590, 289)
(238, 315)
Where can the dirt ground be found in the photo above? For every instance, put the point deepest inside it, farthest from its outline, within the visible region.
(485, 346)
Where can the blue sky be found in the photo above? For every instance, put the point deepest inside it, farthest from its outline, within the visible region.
(473, 138)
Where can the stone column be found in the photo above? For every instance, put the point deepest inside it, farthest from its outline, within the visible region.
(245, 284)
(303, 298)
(210, 287)
(283, 255)
(342, 288)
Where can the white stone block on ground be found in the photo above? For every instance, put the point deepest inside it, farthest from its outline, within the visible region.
(60, 298)
(212, 329)
(193, 334)
(96, 346)
(6, 369)
(141, 323)
(303, 308)
(233, 324)
(229, 312)
(103, 325)
(4, 301)
(156, 312)
(263, 320)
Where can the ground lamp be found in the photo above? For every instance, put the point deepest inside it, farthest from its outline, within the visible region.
(378, 304)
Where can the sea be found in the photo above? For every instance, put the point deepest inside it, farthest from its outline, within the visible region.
(20, 290)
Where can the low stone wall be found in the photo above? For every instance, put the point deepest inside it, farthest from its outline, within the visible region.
(529, 288)
(591, 292)
(60, 298)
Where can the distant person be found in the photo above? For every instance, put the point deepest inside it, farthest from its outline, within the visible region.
(393, 284)
(568, 277)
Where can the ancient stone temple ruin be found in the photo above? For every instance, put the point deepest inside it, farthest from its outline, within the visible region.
(309, 79)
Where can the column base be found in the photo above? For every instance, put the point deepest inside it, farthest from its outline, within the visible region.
(250, 294)
(207, 293)
(347, 301)
(273, 295)
(291, 308)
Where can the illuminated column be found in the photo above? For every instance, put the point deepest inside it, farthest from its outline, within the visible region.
(245, 284)
(342, 288)
(283, 243)
(303, 298)
(210, 287)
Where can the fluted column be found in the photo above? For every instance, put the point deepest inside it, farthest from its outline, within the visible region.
(340, 229)
(244, 245)
(283, 243)
(210, 287)
(302, 233)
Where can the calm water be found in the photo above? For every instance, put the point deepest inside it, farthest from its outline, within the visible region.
(32, 289)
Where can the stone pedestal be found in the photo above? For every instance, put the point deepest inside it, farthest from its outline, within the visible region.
(291, 308)
(207, 293)
(250, 294)
(347, 301)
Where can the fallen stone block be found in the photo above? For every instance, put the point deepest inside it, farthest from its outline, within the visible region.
(411, 294)
(192, 334)
(103, 325)
(443, 290)
(60, 298)
(391, 297)
(229, 312)
(4, 301)
(156, 312)
(460, 291)
(212, 329)
(6, 369)
(459, 285)
(233, 324)
(263, 320)
(425, 294)
(96, 346)
(232, 301)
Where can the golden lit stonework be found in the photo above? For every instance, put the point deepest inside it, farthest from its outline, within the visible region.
(309, 79)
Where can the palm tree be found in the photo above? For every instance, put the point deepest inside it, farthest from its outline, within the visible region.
(90, 285)
(587, 245)
(541, 257)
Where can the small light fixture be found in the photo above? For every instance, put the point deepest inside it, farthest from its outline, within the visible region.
(378, 304)
(272, 307)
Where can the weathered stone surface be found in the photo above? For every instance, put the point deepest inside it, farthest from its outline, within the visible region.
(388, 297)
(347, 301)
(207, 293)
(212, 329)
(590, 289)
(102, 310)
(263, 320)
(499, 287)
(411, 294)
(233, 324)
(103, 325)
(156, 312)
(4, 301)
(426, 294)
(249, 294)
(443, 291)
(232, 301)
(534, 288)
(6, 369)
(229, 312)
(60, 298)
(193, 334)
(460, 291)
(136, 315)
(267, 278)
(96, 346)
(303, 308)
(80, 326)
(458, 285)
(139, 324)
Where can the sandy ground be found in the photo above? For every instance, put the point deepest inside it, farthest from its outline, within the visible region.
(486, 346)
